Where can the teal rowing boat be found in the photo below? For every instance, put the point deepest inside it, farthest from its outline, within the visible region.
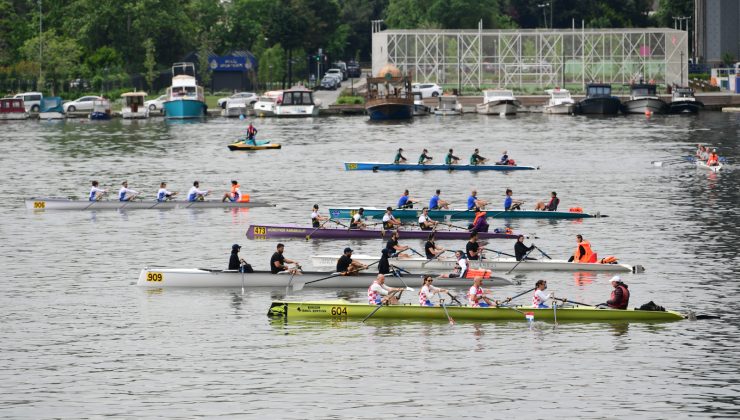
(345, 310)
(459, 214)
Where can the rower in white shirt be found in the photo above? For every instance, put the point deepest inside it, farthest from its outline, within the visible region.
(427, 291)
(195, 194)
(126, 194)
(96, 194)
(389, 221)
(163, 194)
(425, 223)
(540, 297)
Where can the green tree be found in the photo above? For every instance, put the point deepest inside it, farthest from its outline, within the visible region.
(61, 56)
(150, 63)
(205, 48)
(272, 65)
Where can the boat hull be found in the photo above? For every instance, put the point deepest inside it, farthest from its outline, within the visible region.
(45, 203)
(498, 108)
(560, 109)
(494, 264)
(304, 232)
(600, 106)
(377, 166)
(184, 108)
(421, 110)
(345, 310)
(263, 146)
(14, 116)
(51, 115)
(685, 107)
(156, 277)
(99, 116)
(644, 105)
(127, 114)
(390, 111)
(702, 165)
(377, 213)
(295, 111)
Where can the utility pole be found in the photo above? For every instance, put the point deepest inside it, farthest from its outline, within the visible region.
(41, 43)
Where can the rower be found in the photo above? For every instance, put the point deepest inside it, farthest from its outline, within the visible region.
(474, 202)
(476, 294)
(96, 194)
(427, 291)
(251, 135)
(431, 249)
(436, 203)
(358, 220)
(399, 157)
(620, 296)
(236, 263)
(278, 260)
(316, 217)
(552, 205)
(461, 268)
(125, 194)
(425, 223)
(347, 266)
(477, 159)
(406, 202)
(234, 194)
(583, 252)
(424, 158)
(451, 159)
(163, 194)
(505, 159)
(195, 194)
(510, 203)
(713, 159)
(378, 293)
(479, 222)
(389, 221)
(539, 298)
(520, 250)
(394, 249)
(472, 248)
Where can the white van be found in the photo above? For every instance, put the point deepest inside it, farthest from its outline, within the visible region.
(31, 100)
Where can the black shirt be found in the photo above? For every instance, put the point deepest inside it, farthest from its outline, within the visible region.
(234, 263)
(520, 250)
(472, 247)
(391, 246)
(430, 245)
(277, 257)
(344, 263)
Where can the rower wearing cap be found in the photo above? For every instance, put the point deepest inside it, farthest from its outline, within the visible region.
(96, 193)
(539, 298)
(713, 159)
(428, 290)
(424, 158)
(399, 157)
(477, 159)
(451, 159)
(316, 217)
(474, 202)
(236, 263)
(358, 220)
(378, 293)
(163, 194)
(476, 294)
(620, 296)
(389, 221)
(347, 266)
(278, 260)
(126, 194)
(426, 223)
(234, 194)
(436, 203)
(406, 202)
(195, 194)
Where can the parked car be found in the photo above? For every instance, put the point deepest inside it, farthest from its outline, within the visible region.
(79, 84)
(84, 103)
(329, 83)
(427, 90)
(247, 98)
(155, 104)
(31, 100)
(335, 73)
(342, 66)
(353, 69)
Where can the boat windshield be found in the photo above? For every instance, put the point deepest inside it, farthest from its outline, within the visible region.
(297, 98)
(599, 91)
(683, 93)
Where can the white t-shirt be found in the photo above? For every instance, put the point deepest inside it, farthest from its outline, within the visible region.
(315, 215)
(423, 219)
(380, 289)
(94, 192)
(356, 217)
(540, 297)
(124, 192)
(427, 291)
(195, 192)
(388, 217)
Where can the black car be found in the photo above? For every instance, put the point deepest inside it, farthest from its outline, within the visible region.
(353, 69)
(329, 83)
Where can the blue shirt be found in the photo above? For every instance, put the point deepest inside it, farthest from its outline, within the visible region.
(471, 202)
(507, 202)
(402, 201)
(434, 202)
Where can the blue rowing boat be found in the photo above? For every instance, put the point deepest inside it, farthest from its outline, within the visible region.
(377, 166)
(406, 214)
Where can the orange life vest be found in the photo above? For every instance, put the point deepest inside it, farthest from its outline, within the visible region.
(713, 159)
(234, 188)
(576, 210)
(588, 255)
(608, 260)
(478, 216)
(473, 273)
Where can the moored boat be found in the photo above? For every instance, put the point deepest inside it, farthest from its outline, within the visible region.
(265, 105)
(100, 110)
(448, 105)
(420, 109)
(58, 203)
(308, 232)
(644, 100)
(683, 101)
(185, 98)
(51, 108)
(389, 95)
(460, 214)
(498, 102)
(235, 110)
(703, 165)
(158, 277)
(344, 310)
(133, 106)
(598, 100)
(261, 145)
(560, 102)
(296, 102)
(378, 166)
(12, 109)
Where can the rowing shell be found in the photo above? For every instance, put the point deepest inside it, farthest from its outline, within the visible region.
(50, 203)
(307, 232)
(459, 214)
(493, 264)
(342, 310)
(260, 146)
(701, 164)
(378, 166)
(197, 277)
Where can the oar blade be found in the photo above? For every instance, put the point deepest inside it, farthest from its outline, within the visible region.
(298, 286)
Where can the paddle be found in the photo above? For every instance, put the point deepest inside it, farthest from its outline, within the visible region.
(433, 258)
(242, 270)
(300, 286)
(339, 223)
(543, 253)
(520, 294)
(290, 280)
(555, 312)
(417, 253)
(380, 305)
(499, 252)
(454, 298)
(454, 226)
(573, 301)
(519, 262)
(395, 274)
(442, 304)
(308, 237)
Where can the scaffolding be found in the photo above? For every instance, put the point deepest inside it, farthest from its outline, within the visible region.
(534, 58)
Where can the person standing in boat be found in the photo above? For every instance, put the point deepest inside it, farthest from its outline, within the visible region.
(620, 296)
(451, 159)
(96, 193)
(390, 221)
(378, 293)
(195, 194)
(431, 250)
(393, 247)
(474, 202)
(316, 217)
(539, 298)
(278, 260)
(428, 290)
(347, 266)
(476, 294)
(520, 250)
(424, 158)
(358, 220)
(477, 159)
(126, 194)
(426, 223)
(583, 252)
(472, 248)
(399, 157)
(510, 203)
(406, 202)
(436, 203)
(552, 205)
(236, 263)
(163, 194)
(234, 194)
(251, 135)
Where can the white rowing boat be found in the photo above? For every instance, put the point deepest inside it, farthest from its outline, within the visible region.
(701, 164)
(156, 277)
(493, 264)
(57, 203)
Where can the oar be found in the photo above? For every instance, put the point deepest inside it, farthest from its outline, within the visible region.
(417, 253)
(338, 222)
(401, 279)
(543, 253)
(499, 252)
(242, 270)
(555, 312)
(520, 294)
(308, 237)
(453, 297)
(300, 286)
(573, 301)
(454, 226)
(433, 258)
(380, 305)
(290, 280)
(442, 304)
(461, 212)
(519, 262)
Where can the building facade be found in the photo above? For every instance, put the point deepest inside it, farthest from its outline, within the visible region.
(717, 29)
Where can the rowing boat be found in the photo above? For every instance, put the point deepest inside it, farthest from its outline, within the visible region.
(493, 264)
(308, 232)
(701, 164)
(156, 277)
(344, 310)
(378, 166)
(261, 145)
(55, 203)
(459, 214)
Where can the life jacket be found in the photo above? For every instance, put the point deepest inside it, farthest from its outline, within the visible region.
(622, 304)
(608, 260)
(576, 210)
(244, 198)
(712, 159)
(478, 216)
(511, 162)
(588, 255)
(473, 273)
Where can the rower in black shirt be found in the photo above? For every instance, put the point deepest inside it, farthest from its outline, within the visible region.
(472, 247)
(394, 249)
(431, 249)
(347, 266)
(520, 250)
(236, 263)
(278, 260)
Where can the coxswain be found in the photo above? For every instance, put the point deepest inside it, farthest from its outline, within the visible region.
(428, 290)
(251, 135)
(451, 159)
(378, 293)
(583, 252)
(461, 268)
(234, 194)
(474, 202)
(480, 224)
(425, 223)
(96, 193)
(551, 205)
(399, 157)
(163, 194)
(424, 158)
(390, 221)
(236, 263)
(316, 217)
(195, 194)
(713, 159)
(504, 159)
(472, 248)
(126, 194)
(278, 260)
(436, 203)
(477, 159)
(476, 294)
(358, 220)
(431, 250)
(620, 296)
(539, 298)
(347, 266)
(520, 250)
(406, 202)
(394, 249)
(510, 203)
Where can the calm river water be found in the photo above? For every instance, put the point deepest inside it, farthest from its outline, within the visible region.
(79, 339)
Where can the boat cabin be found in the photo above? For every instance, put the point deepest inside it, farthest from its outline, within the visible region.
(683, 93)
(134, 100)
(101, 105)
(497, 95)
(11, 106)
(643, 90)
(296, 96)
(558, 93)
(598, 90)
(184, 84)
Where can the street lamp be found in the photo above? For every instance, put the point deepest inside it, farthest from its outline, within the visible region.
(544, 12)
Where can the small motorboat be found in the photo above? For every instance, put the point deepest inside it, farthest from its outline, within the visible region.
(498, 102)
(560, 102)
(448, 105)
(260, 145)
(101, 110)
(684, 102)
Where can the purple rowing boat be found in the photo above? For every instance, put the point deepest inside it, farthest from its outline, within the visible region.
(307, 232)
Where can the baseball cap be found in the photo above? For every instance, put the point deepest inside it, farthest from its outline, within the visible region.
(616, 278)
(348, 249)
(235, 247)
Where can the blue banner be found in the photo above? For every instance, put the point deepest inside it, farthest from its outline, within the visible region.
(229, 63)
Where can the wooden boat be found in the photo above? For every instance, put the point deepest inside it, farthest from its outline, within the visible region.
(261, 145)
(378, 166)
(703, 165)
(59, 203)
(643, 100)
(459, 214)
(344, 310)
(389, 95)
(12, 109)
(494, 264)
(158, 277)
(308, 232)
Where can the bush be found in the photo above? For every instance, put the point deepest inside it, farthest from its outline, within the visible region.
(350, 100)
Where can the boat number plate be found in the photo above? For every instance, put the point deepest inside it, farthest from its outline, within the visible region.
(339, 311)
(39, 204)
(351, 166)
(152, 276)
(260, 230)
